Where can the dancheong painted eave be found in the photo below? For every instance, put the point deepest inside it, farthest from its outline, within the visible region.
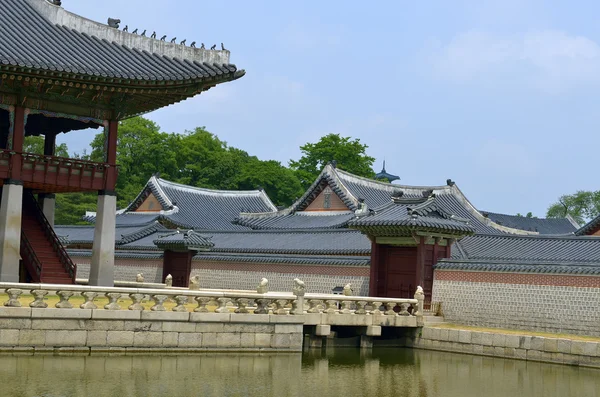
(46, 48)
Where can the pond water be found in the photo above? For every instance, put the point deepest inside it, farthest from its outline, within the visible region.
(343, 372)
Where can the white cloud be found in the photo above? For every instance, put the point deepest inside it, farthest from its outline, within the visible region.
(550, 60)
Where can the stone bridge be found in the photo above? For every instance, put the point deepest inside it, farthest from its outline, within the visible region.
(48, 317)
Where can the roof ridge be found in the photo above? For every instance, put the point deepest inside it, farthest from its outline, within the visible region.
(59, 16)
(390, 186)
(209, 190)
(539, 236)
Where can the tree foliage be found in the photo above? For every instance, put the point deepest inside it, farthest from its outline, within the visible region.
(199, 158)
(582, 206)
(349, 154)
(196, 158)
(35, 144)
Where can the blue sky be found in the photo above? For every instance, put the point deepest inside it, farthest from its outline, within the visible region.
(500, 96)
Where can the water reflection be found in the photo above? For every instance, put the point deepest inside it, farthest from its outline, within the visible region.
(343, 372)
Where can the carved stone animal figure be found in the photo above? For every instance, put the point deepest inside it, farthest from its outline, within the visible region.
(114, 22)
(169, 280)
(139, 278)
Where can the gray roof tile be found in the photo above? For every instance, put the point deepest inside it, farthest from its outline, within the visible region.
(528, 249)
(540, 225)
(411, 213)
(309, 242)
(34, 37)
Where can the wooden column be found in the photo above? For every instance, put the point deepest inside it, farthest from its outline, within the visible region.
(420, 273)
(49, 144)
(374, 270)
(18, 138)
(111, 154)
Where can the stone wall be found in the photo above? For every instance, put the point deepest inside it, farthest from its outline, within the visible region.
(249, 279)
(557, 304)
(524, 347)
(320, 279)
(125, 269)
(47, 329)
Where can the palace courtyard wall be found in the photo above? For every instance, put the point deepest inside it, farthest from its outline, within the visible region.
(557, 303)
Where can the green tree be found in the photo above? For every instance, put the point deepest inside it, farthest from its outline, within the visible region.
(349, 154)
(279, 182)
(142, 150)
(71, 207)
(196, 158)
(35, 144)
(582, 206)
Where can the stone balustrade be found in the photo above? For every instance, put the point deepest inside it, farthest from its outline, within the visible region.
(216, 301)
(103, 318)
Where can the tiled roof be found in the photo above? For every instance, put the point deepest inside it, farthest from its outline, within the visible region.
(124, 234)
(540, 225)
(194, 207)
(41, 36)
(298, 220)
(86, 253)
(307, 260)
(590, 227)
(528, 249)
(408, 214)
(518, 267)
(183, 240)
(308, 242)
(350, 188)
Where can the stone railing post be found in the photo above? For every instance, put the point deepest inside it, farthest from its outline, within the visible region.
(113, 298)
(63, 302)
(420, 297)
(13, 297)
(38, 299)
(89, 300)
(136, 302)
(299, 290)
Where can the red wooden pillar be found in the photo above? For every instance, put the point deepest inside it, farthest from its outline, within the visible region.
(420, 273)
(18, 138)
(111, 154)
(374, 271)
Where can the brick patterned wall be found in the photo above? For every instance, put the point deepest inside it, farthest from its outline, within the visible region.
(318, 279)
(227, 275)
(550, 303)
(125, 269)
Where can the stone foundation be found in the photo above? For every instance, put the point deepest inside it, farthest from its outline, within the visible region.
(103, 330)
(530, 348)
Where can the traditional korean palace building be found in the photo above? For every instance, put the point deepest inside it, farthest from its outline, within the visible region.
(384, 239)
(60, 73)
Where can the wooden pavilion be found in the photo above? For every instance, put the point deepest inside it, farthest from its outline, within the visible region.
(60, 73)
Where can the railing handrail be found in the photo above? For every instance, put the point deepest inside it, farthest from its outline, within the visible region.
(45, 158)
(145, 291)
(32, 258)
(203, 292)
(64, 257)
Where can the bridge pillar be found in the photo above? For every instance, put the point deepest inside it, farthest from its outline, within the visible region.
(366, 342)
(10, 230)
(103, 251)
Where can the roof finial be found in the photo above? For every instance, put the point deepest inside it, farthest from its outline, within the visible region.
(383, 170)
(333, 163)
(56, 2)
(114, 22)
